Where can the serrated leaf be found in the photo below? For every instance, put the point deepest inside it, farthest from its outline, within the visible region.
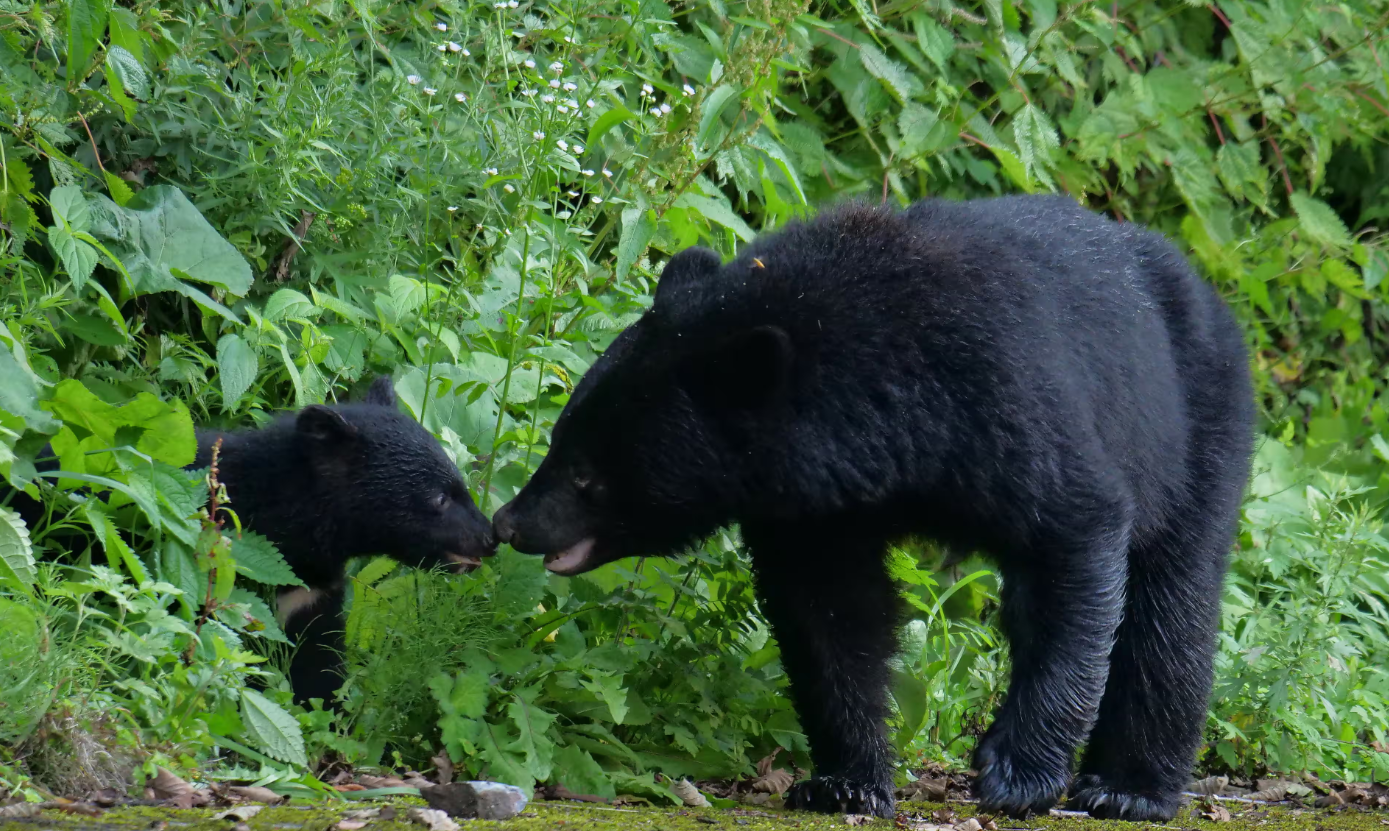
(86, 25)
(70, 204)
(469, 693)
(97, 331)
(17, 174)
(638, 227)
(257, 558)
(610, 690)
(578, 772)
(1319, 221)
(119, 190)
(17, 566)
(79, 259)
(710, 117)
(274, 731)
(287, 303)
(127, 68)
(534, 741)
(237, 365)
(893, 76)
(269, 627)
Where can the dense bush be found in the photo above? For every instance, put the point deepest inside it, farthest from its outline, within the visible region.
(212, 211)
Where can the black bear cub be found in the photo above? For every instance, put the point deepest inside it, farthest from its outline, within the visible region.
(330, 483)
(333, 482)
(1015, 375)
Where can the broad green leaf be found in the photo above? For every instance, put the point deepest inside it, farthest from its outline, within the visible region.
(609, 687)
(127, 68)
(159, 236)
(257, 558)
(167, 435)
(97, 331)
(79, 259)
(533, 724)
(935, 40)
(606, 122)
(237, 365)
(577, 771)
(468, 695)
(271, 729)
(125, 33)
(1376, 268)
(710, 122)
(638, 227)
(288, 303)
(69, 203)
(17, 567)
(19, 392)
(178, 566)
(911, 696)
(119, 190)
(717, 211)
(1319, 221)
(86, 25)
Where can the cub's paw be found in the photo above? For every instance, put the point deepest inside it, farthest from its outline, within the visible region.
(1006, 785)
(840, 795)
(1091, 794)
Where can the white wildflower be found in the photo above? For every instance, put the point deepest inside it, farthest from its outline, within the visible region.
(554, 84)
(528, 92)
(568, 39)
(508, 188)
(689, 90)
(647, 89)
(511, 4)
(529, 64)
(547, 99)
(665, 109)
(589, 103)
(412, 80)
(570, 86)
(656, 111)
(561, 109)
(490, 171)
(586, 172)
(467, 54)
(607, 173)
(443, 27)
(453, 47)
(538, 135)
(460, 97)
(563, 145)
(443, 47)
(571, 104)
(452, 208)
(573, 193)
(578, 148)
(556, 67)
(429, 91)
(597, 200)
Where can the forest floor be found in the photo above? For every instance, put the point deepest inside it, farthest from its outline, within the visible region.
(572, 816)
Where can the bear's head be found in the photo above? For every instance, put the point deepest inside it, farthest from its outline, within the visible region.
(666, 436)
(390, 485)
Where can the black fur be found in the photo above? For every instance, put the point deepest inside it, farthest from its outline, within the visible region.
(1016, 375)
(330, 483)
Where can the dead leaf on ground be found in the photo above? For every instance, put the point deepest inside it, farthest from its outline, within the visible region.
(773, 782)
(443, 767)
(433, 819)
(193, 799)
(370, 781)
(73, 807)
(166, 785)
(1210, 786)
(351, 824)
(255, 793)
(241, 813)
(1331, 800)
(350, 786)
(970, 824)
(857, 819)
(1214, 811)
(21, 810)
(925, 790)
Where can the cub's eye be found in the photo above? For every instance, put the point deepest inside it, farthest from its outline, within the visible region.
(583, 483)
(442, 500)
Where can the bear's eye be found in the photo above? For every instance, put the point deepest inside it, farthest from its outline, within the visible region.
(583, 483)
(442, 500)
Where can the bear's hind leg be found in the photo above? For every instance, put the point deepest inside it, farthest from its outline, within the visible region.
(834, 612)
(312, 619)
(1143, 746)
(1062, 603)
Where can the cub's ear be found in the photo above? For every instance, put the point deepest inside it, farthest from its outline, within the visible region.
(747, 370)
(381, 392)
(324, 424)
(687, 267)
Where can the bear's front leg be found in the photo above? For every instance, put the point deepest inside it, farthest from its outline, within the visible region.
(834, 613)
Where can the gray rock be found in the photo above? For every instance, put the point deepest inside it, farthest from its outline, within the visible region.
(476, 800)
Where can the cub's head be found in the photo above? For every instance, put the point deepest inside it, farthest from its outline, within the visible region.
(391, 484)
(654, 449)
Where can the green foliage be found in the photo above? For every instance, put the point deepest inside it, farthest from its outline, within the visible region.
(207, 217)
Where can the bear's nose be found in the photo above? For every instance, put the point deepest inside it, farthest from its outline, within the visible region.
(503, 528)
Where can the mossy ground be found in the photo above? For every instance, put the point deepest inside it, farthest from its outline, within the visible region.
(576, 817)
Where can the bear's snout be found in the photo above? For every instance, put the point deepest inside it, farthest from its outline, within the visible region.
(503, 526)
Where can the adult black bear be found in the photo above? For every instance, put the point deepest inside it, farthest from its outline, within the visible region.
(330, 483)
(1015, 375)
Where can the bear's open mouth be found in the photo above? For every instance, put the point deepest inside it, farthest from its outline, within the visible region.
(572, 560)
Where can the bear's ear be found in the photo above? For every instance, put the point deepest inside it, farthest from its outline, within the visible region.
(747, 370)
(381, 392)
(687, 267)
(324, 424)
